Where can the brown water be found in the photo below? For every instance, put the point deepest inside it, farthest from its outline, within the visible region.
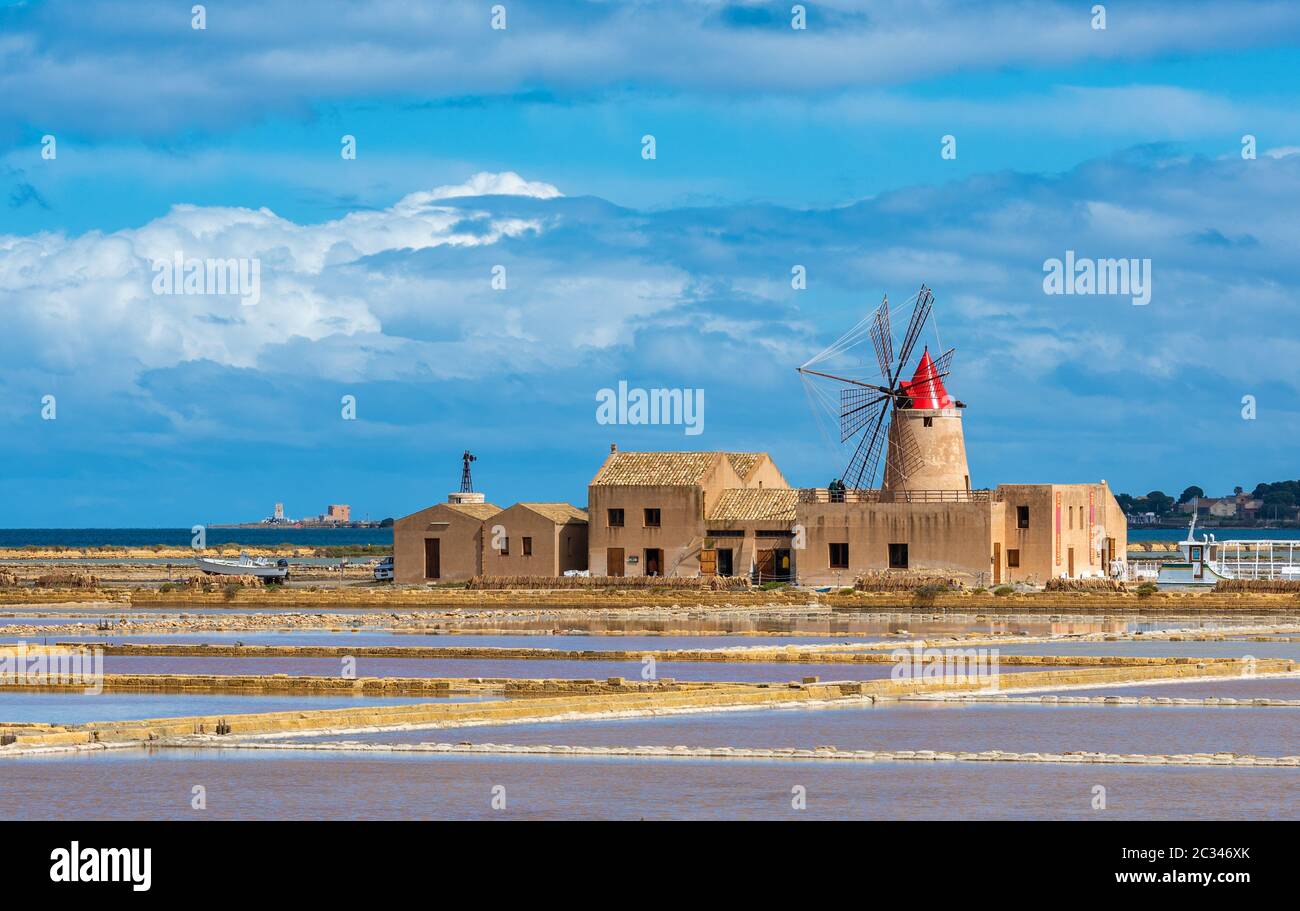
(251, 785)
(481, 667)
(79, 708)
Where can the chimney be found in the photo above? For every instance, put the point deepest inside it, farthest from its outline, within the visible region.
(613, 447)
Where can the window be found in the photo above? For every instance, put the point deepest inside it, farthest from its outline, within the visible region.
(528, 547)
(1013, 559)
(505, 547)
(839, 556)
(898, 556)
(652, 518)
(616, 518)
(1022, 517)
(568, 546)
(1071, 509)
(928, 421)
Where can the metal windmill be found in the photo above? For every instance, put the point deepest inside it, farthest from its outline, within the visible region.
(466, 485)
(865, 409)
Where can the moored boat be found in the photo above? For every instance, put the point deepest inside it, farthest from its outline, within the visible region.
(245, 566)
(1206, 560)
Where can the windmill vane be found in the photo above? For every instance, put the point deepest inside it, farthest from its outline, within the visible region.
(870, 413)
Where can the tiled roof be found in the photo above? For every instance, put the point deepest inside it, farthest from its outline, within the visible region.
(744, 462)
(559, 513)
(680, 469)
(677, 469)
(477, 510)
(755, 505)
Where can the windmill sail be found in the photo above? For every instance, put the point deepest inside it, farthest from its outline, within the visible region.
(865, 410)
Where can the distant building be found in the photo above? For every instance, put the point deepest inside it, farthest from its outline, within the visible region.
(278, 515)
(340, 513)
(1225, 508)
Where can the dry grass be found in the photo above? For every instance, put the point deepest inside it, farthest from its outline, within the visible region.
(67, 579)
(1269, 586)
(1084, 585)
(899, 582)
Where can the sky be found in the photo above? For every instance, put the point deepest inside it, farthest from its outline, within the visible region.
(460, 238)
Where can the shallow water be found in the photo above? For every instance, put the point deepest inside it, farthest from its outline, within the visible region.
(293, 785)
(1230, 648)
(939, 726)
(79, 708)
(1234, 687)
(376, 637)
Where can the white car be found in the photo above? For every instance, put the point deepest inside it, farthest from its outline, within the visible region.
(384, 570)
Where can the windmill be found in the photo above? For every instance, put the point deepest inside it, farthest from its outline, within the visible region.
(466, 485)
(869, 412)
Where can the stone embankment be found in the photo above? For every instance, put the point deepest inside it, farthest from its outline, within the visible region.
(821, 753)
(1215, 701)
(389, 596)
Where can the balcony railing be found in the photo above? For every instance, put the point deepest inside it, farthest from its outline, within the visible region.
(857, 495)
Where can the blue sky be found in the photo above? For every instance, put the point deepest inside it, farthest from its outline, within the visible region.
(522, 148)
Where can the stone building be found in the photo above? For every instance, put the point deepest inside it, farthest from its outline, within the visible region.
(443, 543)
(648, 509)
(733, 513)
(536, 539)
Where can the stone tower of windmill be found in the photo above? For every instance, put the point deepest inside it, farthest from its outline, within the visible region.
(927, 449)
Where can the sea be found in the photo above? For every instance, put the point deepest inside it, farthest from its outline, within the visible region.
(383, 537)
(182, 537)
(1223, 534)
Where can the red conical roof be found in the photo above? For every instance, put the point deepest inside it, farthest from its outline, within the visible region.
(926, 388)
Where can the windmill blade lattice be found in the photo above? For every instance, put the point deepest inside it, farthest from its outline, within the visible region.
(858, 408)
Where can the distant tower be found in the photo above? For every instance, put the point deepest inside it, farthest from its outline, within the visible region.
(279, 512)
(927, 448)
(466, 493)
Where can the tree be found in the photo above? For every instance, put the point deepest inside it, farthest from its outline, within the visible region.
(1126, 502)
(1190, 494)
(1159, 502)
(387, 523)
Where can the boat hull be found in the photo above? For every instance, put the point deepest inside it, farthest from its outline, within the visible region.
(237, 568)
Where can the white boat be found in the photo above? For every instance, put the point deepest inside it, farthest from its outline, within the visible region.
(245, 566)
(1206, 560)
(384, 570)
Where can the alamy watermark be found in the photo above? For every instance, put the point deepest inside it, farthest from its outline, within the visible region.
(240, 277)
(635, 405)
(951, 665)
(52, 666)
(1081, 275)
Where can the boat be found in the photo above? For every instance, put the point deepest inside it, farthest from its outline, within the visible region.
(1206, 560)
(245, 566)
(384, 570)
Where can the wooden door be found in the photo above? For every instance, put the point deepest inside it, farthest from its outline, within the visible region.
(614, 561)
(1070, 555)
(433, 558)
(766, 564)
(708, 562)
(997, 563)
